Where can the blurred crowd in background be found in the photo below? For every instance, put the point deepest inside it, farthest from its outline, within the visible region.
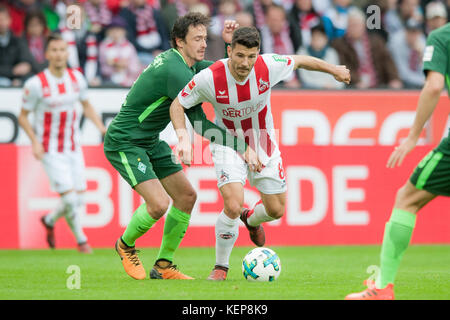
(114, 40)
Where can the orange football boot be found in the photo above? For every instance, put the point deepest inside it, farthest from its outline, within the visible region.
(372, 293)
(170, 272)
(130, 260)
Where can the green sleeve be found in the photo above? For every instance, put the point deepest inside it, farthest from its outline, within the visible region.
(199, 66)
(226, 51)
(435, 57)
(212, 132)
(176, 81)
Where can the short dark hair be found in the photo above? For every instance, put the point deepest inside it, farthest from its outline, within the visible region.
(319, 28)
(53, 37)
(246, 36)
(181, 26)
(35, 14)
(277, 7)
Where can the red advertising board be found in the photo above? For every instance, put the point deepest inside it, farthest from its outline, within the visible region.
(339, 189)
(351, 118)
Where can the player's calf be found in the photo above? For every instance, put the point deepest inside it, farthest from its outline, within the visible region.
(274, 209)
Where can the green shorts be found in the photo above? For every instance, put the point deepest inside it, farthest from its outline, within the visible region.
(433, 172)
(137, 164)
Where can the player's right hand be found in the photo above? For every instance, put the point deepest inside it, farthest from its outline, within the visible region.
(38, 150)
(184, 151)
(400, 152)
(342, 74)
(228, 28)
(252, 160)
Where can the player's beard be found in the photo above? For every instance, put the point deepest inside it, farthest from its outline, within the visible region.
(200, 55)
(242, 73)
(59, 66)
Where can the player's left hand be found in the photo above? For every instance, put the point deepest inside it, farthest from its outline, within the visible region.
(184, 151)
(38, 150)
(342, 74)
(103, 130)
(400, 152)
(228, 28)
(252, 160)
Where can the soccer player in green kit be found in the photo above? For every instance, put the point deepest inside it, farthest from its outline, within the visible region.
(431, 177)
(133, 147)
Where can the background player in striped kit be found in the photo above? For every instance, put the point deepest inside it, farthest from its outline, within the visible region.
(239, 89)
(52, 96)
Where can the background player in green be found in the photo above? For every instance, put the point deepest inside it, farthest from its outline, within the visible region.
(431, 178)
(133, 147)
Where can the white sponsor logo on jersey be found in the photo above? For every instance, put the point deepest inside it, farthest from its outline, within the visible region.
(428, 53)
(222, 94)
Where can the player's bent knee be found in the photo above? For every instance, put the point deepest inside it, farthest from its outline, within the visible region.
(157, 210)
(233, 209)
(403, 198)
(410, 199)
(189, 198)
(70, 202)
(186, 201)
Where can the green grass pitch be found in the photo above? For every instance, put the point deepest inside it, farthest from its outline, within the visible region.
(310, 273)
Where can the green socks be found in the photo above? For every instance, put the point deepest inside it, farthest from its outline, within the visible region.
(397, 235)
(140, 223)
(175, 227)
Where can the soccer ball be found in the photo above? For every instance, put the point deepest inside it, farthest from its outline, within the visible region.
(261, 264)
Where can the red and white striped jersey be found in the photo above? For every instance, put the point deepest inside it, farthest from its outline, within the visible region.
(243, 108)
(53, 101)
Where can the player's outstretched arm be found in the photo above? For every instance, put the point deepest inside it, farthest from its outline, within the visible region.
(38, 149)
(340, 73)
(90, 113)
(428, 99)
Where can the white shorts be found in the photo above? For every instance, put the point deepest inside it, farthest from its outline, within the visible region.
(231, 167)
(66, 171)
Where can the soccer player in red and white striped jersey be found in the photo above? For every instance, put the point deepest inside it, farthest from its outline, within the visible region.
(239, 90)
(52, 96)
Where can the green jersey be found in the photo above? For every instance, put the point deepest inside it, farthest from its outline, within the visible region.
(145, 112)
(437, 53)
